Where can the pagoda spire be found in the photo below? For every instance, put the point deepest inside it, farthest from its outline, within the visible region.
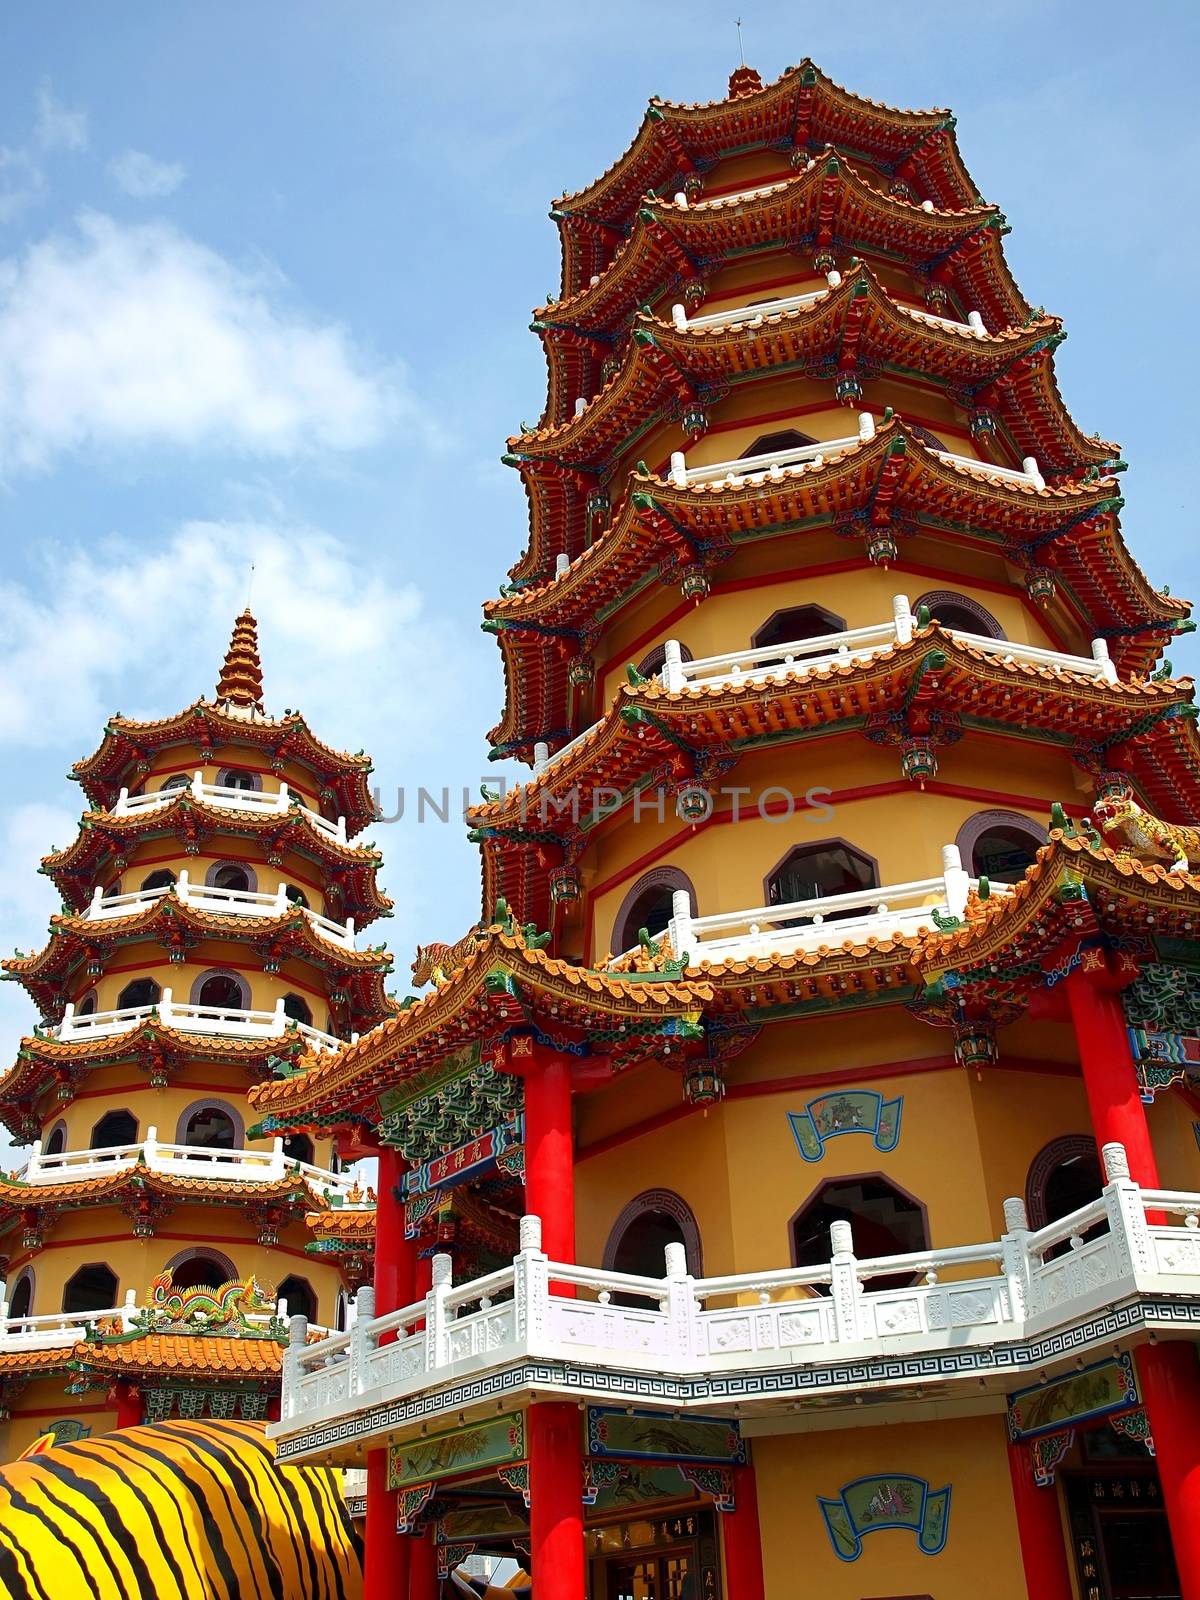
(241, 671)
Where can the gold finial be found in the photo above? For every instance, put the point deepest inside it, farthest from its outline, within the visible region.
(241, 671)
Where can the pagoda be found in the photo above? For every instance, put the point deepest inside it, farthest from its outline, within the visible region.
(832, 1021)
(211, 902)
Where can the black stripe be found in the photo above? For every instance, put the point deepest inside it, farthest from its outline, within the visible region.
(174, 1468)
(236, 1464)
(20, 1502)
(11, 1575)
(91, 1493)
(128, 1451)
(339, 1528)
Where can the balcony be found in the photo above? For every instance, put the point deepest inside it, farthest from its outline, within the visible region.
(224, 902)
(982, 1311)
(189, 1161)
(59, 1330)
(229, 1022)
(774, 466)
(757, 312)
(256, 801)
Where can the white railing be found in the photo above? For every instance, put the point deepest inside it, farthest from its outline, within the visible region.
(233, 1022)
(756, 312)
(772, 465)
(274, 802)
(759, 664)
(1020, 1286)
(267, 1165)
(213, 898)
(889, 912)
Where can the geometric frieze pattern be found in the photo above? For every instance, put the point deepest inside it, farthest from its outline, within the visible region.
(732, 1388)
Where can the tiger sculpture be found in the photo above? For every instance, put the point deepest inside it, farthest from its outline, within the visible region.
(173, 1511)
(435, 962)
(1148, 836)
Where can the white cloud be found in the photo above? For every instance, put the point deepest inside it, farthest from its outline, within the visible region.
(116, 336)
(58, 127)
(143, 177)
(114, 626)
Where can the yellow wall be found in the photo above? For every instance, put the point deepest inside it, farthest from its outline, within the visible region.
(981, 1557)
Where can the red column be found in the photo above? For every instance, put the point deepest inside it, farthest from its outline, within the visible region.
(386, 1552)
(1118, 1115)
(422, 1572)
(549, 1153)
(1039, 1528)
(1169, 1381)
(741, 1540)
(556, 1500)
(129, 1405)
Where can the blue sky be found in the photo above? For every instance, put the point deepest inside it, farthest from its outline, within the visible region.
(265, 278)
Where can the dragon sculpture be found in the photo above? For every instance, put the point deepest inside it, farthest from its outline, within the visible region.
(220, 1307)
(1147, 836)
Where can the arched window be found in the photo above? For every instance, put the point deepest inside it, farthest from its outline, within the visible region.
(796, 623)
(230, 875)
(114, 1128)
(999, 845)
(298, 1009)
(296, 896)
(160, 878)
(885, 1221)
(648, 905)
(21, 1300)
(92, 1288)
(959, 611)
(224, 991)
(201, 1272)
(1064, 1175)
(650, 1222)
(341, 1312)
(817, 871)
(298, 1147)
(141, 992)
(653, 663)
(87, 1005)
(57, 1142)
(235, 778)
(300, 1297)
(177, 780)
(774, 444)
(210, 1126)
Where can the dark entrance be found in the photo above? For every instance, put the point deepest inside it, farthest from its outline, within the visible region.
(663, 1555)
(1122, 1543)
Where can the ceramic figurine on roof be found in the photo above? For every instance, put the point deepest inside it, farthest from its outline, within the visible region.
(800, 1154)
(210, 906)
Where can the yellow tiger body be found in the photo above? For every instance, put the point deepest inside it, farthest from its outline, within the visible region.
(173, 1511)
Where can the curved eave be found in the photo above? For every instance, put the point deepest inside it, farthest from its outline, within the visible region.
(17, 1198)
(495, 988)
(127, 743)
(634, 736)
(1073, 887)
(828, 198)
(201, 1357)
(664, 364)
(72, 869)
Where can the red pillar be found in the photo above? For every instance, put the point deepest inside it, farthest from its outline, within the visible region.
(1169, 1381)
(386, 1552)
(423, 1581)
(129, 1405)
(556, 1500)
(741, 1540)
(1039, 1528)
(549, 1153)
(1118, 1115)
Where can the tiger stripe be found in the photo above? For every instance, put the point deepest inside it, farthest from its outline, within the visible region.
(173, 1511)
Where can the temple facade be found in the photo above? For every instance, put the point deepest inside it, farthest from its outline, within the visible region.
(792, 1181)
(211, 901)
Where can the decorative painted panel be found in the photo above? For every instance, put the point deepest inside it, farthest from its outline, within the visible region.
(490, 1442)
(894, 1500)
(653, 1436)
(849, 1111)
(1049, 1407)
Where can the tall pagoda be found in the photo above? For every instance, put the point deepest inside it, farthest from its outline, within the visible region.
(834, 1010)
(210, 905)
